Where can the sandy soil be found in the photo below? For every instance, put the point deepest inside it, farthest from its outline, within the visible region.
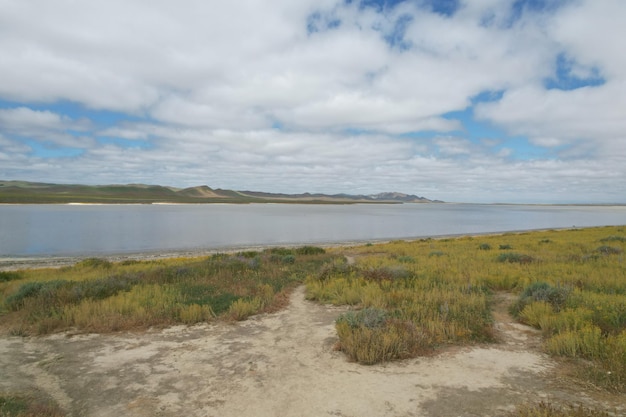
(280, 364)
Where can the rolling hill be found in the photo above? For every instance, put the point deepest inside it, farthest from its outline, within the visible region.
(23, 192)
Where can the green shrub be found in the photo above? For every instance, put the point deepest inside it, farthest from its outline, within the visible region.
(609, 250)
(280, 251)
(250, 254)
(288, 259)
(613, 238)
(484, 246)
(406, 259)
(513, 257)
(541, 291)
(43, 291)
(6, 276)
(101, 288)
(505, 247)
(386, 273)
(334, 269)
(367, 317)
(310, 250)
(94, 263)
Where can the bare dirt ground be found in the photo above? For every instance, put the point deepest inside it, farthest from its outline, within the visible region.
(280, 364)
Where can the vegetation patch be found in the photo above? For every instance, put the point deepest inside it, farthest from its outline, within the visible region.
(578, 302)
(23, 406)
(513, 257)
(100, 296)
(6, 276)
(547, 409)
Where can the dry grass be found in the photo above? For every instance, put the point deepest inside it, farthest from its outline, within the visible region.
(571, 285)
(546, 409)
(100, 296)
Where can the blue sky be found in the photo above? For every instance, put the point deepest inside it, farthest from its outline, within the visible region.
(477, 101)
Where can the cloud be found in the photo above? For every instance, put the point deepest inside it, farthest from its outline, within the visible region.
(44, 126)
(489, 100)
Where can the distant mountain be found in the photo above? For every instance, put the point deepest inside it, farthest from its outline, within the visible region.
(406, 198)
(21, 192)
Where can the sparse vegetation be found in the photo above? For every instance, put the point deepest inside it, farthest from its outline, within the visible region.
(98, 295)
(547, 409)
(406, 298)
(570, 287)
(25, 406)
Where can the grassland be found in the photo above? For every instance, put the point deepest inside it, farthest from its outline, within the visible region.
(407, 298)
(96, 295)
(413, 297)
(23, 192)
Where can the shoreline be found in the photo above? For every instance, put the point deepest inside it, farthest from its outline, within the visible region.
(15, 263)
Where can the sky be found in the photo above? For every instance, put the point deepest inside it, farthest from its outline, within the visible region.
(512, 101)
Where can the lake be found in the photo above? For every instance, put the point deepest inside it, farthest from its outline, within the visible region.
(91, 230)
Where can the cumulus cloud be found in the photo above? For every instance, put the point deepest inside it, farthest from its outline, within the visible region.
(44, 126)
(493, 100)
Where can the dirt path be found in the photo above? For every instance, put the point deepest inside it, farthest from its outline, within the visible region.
(280, 364)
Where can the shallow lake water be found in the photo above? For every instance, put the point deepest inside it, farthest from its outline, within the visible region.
(59, 230)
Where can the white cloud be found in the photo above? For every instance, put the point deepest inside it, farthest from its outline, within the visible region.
(339, 83)
(44, 126)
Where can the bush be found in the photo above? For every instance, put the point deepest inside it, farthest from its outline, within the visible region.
(310, 250)
(387, 273)
(94, 263)
(195, 313)
(484, 246)
(406, 259)
(367, 317)
(280, 251)
(609, 250)
(335, 269)
(371, 339)
(613, 238)
(505, 247)
(541, 291)
(30, 290)
(288, 259)
(250, 254)
(513, 257)
(242, 309)
(6, 276)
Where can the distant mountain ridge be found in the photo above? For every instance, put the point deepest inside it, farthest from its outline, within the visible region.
(21, 192)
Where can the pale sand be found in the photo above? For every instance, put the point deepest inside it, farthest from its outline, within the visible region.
(279, 364)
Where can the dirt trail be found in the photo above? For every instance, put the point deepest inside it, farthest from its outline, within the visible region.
(280, 364)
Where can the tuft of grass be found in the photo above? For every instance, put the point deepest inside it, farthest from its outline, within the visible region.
(613, 238)
(608, 250)
(369, 337)
(310, 250)
(547, 409)
(25, 406)
(6, 276)
(94, 263)
(555, 296)
(513, 257)
(242, 309)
